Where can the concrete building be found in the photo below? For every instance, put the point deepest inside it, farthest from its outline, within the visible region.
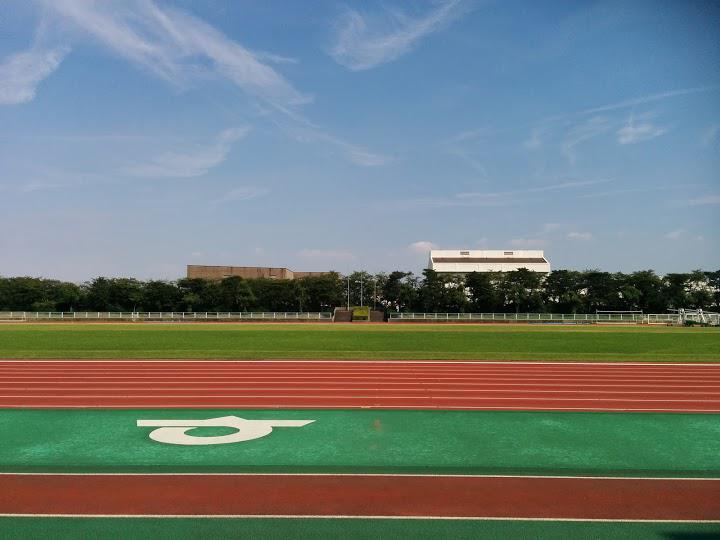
(466, 261)
(247, 272)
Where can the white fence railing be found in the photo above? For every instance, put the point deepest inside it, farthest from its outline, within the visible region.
(164, 315)
(710, 318)
(637, 318)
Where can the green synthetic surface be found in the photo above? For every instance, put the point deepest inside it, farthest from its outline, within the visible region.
(349, 529)
(359, 341)
(373, 441)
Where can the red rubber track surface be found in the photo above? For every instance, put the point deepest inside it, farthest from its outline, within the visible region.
(362, 495)
(353, 384)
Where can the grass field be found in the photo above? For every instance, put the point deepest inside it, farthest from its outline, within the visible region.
(71, 469)
(431, 342)
(179, 528)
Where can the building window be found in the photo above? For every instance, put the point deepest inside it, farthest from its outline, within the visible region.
(509, 253)
(467, 253)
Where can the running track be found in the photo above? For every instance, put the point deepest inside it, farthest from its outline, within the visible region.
(334, 495)
(647, 387)
(352, 384)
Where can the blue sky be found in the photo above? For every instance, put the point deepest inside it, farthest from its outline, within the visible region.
(137, 136)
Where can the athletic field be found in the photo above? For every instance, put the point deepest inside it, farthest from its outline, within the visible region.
(358, 431)
(404, 341)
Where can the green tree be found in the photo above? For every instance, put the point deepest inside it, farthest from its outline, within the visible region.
(713, 281)
(482, 291)
(522, 291)
(161, 296)
(114, 294)
(676, 290)
(651, 296)
(324, 293)
(563, 291)
(601, 291)
(235, 294)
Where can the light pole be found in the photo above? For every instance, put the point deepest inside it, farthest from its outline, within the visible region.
(348, 294)
(361, 290)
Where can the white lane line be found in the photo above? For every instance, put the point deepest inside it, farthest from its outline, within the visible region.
(333, 516)
(699, 363)
(432, 387)
(355, 397)
(420, 390)
(170, 378)
(305, 406)
(390, 475)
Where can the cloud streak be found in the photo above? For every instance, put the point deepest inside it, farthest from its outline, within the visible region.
(176, 46)
(243, 193)
(648, 99)
(362, 42)
(489, 199)
(422, 246)
(633, 132)
(21, 73)
(581, 236)
(194, 162)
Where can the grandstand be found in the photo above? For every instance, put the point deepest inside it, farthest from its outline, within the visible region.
(466, 261)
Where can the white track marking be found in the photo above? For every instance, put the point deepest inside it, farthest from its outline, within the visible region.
(255, 406)
(710, 363)
(375, 397)
(390, 475)
(421, 390)
(333, 516)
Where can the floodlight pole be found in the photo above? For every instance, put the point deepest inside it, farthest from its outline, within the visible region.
(348, 294)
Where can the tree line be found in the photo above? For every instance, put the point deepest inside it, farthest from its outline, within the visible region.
(521, 291)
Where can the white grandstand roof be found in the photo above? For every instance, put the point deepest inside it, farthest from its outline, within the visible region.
(468, 260)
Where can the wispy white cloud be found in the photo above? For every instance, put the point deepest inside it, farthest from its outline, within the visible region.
(582, 236)
(176, 46)
(22, 72)
(674, 235)
(304, 131)
(422, 246)
(710, 135)
(539, 189)
(181, 49)
(243, 193)
(274, 58)
(359, 155)
(649, 99)
(478, 199)
(707, 199)
(634, 132)
(192, 162)
(364, 41)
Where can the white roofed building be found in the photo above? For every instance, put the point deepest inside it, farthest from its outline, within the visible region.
(465, 261)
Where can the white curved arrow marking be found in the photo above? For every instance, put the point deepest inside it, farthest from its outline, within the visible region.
(175, 431)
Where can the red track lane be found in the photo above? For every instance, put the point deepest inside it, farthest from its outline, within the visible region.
(362, 495)
(354, 384)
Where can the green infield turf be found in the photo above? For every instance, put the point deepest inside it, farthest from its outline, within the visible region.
(351, 529)
(432, 342)
(364, 441)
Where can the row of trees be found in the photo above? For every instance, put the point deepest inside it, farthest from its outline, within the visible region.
(562, 291)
